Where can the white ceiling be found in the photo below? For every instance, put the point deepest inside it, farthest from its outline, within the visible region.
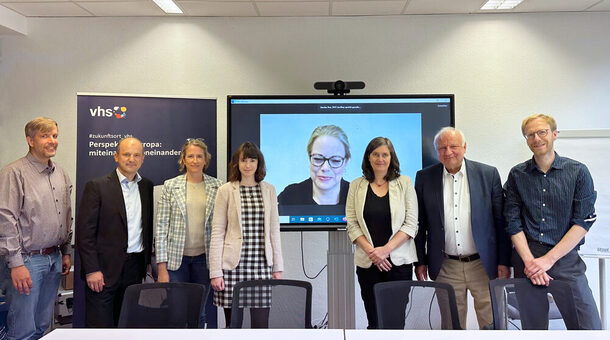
(286, 8)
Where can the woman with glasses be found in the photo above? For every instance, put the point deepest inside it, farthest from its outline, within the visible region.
(328, 152)
(245, 235)
(184, 219)
(381, 213)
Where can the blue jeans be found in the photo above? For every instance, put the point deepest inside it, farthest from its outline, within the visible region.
(29, 316)
(194, 269)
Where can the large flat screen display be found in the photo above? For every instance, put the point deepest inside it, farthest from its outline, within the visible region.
(314, 145)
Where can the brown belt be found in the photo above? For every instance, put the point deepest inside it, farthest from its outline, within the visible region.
(468, 258)
(45, 251)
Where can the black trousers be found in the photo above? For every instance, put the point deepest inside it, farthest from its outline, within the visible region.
(570, 269)
(368, 277)
(102, 309)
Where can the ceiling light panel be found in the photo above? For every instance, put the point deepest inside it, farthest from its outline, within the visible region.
(168, 6)
(500, 4)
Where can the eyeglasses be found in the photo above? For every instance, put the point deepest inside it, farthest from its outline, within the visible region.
(195, 139)
(540, 133)
(333, 161)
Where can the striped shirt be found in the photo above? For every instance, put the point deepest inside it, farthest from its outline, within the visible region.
(546, 205)
(35, 209)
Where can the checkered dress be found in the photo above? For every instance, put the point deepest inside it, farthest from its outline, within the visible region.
(252, 262)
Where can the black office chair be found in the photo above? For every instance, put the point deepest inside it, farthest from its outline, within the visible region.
(518, 304)
(416, 305)
(287, 302)
(162, 305)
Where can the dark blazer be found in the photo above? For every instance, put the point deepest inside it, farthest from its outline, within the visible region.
(297, 199)
(302, 193)
(101, 226)
(486, 202)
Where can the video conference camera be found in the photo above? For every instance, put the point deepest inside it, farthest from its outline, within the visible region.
(339, 87)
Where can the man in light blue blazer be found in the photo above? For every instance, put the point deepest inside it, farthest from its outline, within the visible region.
(461, 239)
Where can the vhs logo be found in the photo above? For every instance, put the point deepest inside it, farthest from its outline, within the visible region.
(117, 111)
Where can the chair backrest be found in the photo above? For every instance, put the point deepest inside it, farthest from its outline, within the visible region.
(416, 305)
(162, 305)
(518, 304)
(287, 302)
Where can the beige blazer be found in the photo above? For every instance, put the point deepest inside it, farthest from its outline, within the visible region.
(225, 244)
(403, 208)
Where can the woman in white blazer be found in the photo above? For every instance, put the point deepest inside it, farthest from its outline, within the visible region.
(245, 235)
(381, 211)
(184, 219)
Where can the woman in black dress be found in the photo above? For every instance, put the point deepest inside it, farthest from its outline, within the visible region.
(381, 213)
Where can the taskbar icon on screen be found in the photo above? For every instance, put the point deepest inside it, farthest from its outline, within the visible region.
(320, 219)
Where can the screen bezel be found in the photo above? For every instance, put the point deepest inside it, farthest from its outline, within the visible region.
(337, 225)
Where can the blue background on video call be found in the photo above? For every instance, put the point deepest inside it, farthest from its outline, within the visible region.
(284, 137)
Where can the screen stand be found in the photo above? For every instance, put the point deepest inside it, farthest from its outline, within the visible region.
(602, 291)
(341, 303)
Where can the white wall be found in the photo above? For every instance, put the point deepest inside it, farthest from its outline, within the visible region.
(500, 67)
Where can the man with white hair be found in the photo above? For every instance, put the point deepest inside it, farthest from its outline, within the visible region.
(461, 238)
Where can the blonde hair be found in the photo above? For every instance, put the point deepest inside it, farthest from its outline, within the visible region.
(42, 124)
(332, 131)
(548, 119)
(194, 142)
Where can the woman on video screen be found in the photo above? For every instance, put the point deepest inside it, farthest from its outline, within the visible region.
(328, 152)
(381, 213)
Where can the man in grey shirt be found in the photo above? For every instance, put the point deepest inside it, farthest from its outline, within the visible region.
(35, 232)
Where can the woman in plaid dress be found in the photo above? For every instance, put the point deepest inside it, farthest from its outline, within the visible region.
(184, 220)
(245, 243)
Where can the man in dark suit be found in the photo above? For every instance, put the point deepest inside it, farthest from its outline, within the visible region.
(461, 238)
(114, 234)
